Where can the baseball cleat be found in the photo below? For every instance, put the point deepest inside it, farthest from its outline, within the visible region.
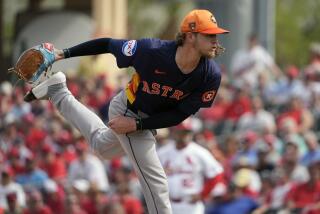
(47, 88)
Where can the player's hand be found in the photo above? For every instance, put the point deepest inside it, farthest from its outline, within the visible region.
(58, 54)
(122, 125)
(195, 198)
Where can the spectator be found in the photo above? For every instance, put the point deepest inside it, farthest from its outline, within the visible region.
(266, 164)
(305, 197)
(216, 114)
(5, 102)
(95, 202)
(8, 186)
(239, 105)
(33, 177)
(13, 206)
(274, 201)
(280, 92)
(20, 108)
(299, 113)
(36, 205)
(288, 131)
(273, 146)
(15, 162)
(290, 163)
(247, 151)
(114, 207)
(313, 68)
(233, 201)
(230, 148)
(54, 166)
(36, 135)
(131, 204)
(73, 206)
(248, 64)
(258, 119)
(80, 190)
(10, 134)
(124, 174)
(312, 73)
(245, 162)
(18, 148)
(88, 167)
(207, 139)
(54, 196)
(248, 181)
(311, 140)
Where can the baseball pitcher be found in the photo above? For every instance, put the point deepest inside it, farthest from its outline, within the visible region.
(173, 80)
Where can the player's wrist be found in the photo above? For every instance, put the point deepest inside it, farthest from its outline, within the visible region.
(66, 53)
(59, 54)
(138, 124)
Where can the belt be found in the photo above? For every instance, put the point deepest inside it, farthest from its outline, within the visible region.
(180, 200)
(176, 200)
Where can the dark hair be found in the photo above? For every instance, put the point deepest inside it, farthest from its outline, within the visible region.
(180, 38)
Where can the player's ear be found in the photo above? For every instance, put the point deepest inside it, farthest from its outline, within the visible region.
(190, 36)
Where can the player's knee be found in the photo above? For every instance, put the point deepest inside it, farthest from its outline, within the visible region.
(96, 140)
(104, 145)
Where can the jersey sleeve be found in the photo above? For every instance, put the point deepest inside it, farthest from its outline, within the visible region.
(127, 52)
(202, 97)
(211, 167)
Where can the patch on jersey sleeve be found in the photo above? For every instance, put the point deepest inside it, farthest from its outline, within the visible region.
(129, 47)
(208, 96)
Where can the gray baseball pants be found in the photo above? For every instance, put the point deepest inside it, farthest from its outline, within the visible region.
(139, 146)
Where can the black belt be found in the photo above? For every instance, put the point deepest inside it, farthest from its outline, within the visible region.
(180, 200)
(176, 200)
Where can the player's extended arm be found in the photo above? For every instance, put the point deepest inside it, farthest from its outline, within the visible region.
(92, 47)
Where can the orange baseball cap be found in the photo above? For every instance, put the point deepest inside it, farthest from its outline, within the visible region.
(201, 21)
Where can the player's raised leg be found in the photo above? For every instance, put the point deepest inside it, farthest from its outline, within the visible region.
(140, 146)
(102, 140)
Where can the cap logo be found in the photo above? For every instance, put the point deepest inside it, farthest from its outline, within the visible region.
(192, 26)
(213, 19)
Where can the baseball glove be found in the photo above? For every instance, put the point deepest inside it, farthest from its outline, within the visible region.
(34, 63)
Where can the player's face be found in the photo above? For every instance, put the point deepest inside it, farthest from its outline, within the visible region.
(206, 44)
(182, 137)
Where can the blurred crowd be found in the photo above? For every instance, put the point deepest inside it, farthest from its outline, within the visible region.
(263, 129)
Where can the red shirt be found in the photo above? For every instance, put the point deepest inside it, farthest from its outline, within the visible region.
(35, 138)
(304, 194)
(294, 114)
(43, 210)
(69, 155)
(215, 113)
(237, 108)
(55, 169)
(56, 201)
(131, 204)
(92, 206)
